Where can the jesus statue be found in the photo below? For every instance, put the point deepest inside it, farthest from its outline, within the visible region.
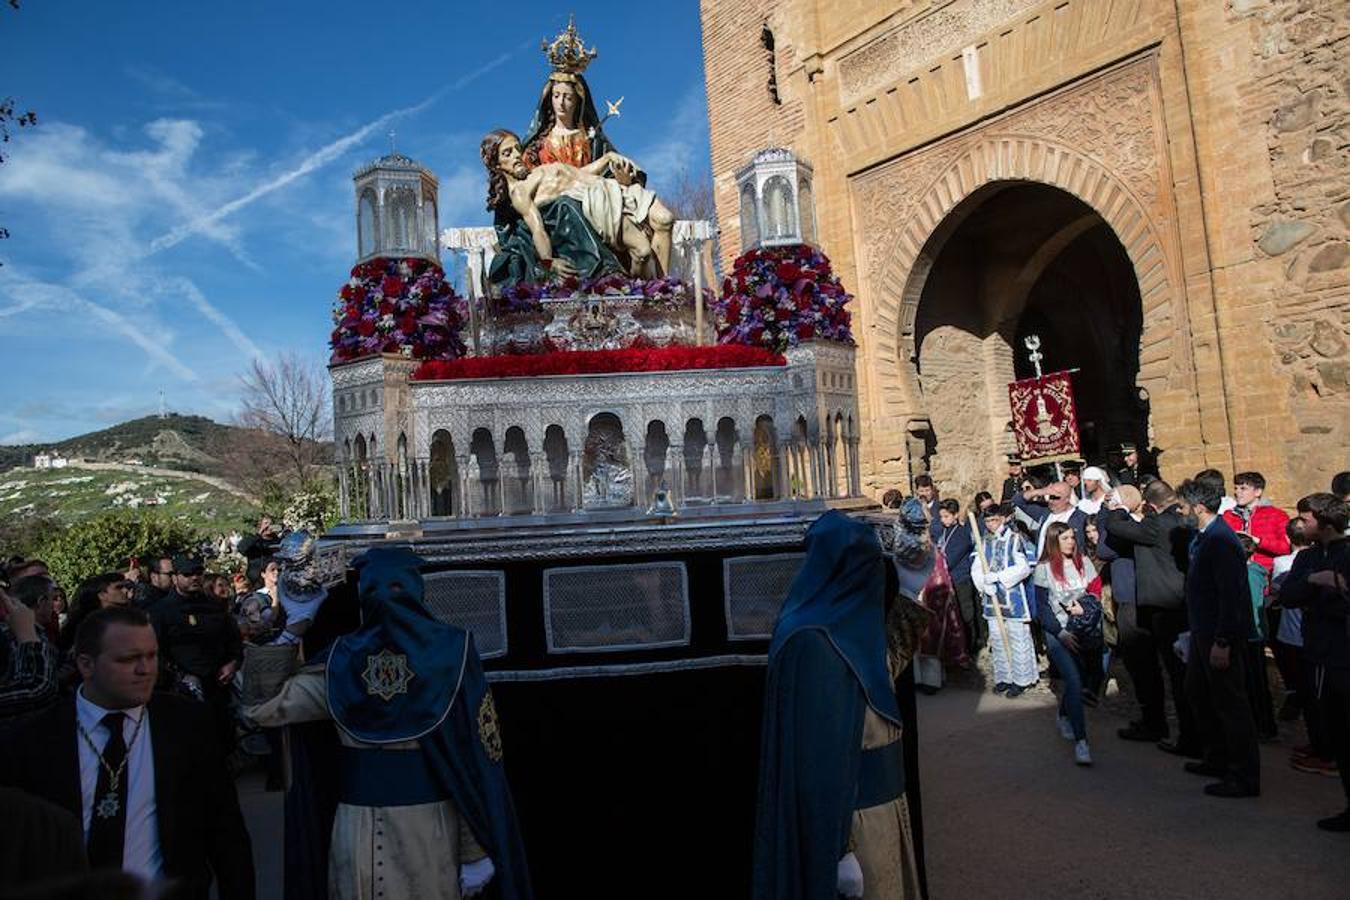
(627, 217)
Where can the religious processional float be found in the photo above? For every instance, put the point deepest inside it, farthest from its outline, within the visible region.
(608, 465)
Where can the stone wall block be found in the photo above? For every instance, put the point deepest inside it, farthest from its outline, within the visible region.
(1297, 114)
(1282, 236)
(1331, 256)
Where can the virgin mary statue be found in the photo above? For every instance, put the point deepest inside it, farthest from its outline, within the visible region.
(565, 128)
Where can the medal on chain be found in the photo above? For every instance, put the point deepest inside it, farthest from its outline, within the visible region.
(108, 806)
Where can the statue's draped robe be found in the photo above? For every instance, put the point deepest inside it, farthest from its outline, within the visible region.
(573, 239)
(573, 148)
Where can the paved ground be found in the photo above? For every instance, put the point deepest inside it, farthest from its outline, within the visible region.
(1009, 815)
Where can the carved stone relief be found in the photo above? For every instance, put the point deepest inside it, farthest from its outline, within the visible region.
(920, 41)
(1110, 120)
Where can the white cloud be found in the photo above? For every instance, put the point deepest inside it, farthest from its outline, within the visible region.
(676, 150)
(32, 295)
(218, 318)
(22, 436)
(96, 203)
(168, 92)
(100, 212)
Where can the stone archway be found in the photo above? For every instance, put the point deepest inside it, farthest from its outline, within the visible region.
(999, 159)
(1016, 258)
(1101, 141)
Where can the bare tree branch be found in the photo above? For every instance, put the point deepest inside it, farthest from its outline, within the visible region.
(690, 196)
(285, 402)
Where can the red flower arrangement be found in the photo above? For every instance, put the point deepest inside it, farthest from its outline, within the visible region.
(592, 362)
(394, 305)
(777, 297)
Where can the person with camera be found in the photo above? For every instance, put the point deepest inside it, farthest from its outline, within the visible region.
(28, 660)
(1045, 506)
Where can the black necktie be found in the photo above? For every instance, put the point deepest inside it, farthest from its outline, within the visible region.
(108, 820)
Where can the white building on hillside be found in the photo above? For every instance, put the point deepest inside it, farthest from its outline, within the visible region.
(51, 459)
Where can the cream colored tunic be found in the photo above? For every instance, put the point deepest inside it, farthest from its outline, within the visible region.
(882, 839)
(383, 852)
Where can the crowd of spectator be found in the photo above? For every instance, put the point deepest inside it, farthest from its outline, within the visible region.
(163, 634)
(1237, 607)
(1226, 602)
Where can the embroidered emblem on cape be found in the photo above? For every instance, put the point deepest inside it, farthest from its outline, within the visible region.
(387, 675)
(488, 732)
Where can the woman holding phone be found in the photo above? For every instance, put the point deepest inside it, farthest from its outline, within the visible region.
(1071, 615)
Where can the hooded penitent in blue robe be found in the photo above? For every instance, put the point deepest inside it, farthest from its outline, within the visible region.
(827, 665)
(444, 705)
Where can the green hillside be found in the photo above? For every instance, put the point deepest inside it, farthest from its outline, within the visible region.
(186, 443)
(72, 494)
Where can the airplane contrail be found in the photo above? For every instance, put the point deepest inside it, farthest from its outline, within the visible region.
(318, 158)
(227, 325)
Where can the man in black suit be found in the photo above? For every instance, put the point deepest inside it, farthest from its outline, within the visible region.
(143, 771)
(1219, 609)
(1160, 545)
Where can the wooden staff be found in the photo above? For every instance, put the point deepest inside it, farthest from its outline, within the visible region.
(998, 610)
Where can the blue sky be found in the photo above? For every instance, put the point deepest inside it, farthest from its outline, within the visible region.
(185, 203)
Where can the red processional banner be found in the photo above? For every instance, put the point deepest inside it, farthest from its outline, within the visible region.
(1044, 418)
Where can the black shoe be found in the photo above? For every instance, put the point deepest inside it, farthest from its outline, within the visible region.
(1231, 789)
(1014, 691)
(1339, 823)
(1138, 731)
(1177, 748)
(1001, 687)
(926, 689)
(1207, 769)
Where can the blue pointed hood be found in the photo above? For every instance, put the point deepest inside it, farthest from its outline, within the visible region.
(396, 677)
(840, 590)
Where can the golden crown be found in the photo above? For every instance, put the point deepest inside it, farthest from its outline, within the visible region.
(567, 52)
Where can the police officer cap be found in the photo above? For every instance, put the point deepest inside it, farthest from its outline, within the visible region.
(188, 564)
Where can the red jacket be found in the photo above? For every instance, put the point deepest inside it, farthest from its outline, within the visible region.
(1267, 526)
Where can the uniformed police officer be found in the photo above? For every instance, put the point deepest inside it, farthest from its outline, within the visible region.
(199, 641)
(1129, 473)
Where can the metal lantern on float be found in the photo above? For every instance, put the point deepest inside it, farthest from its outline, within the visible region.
(396, 209)
(776, 199)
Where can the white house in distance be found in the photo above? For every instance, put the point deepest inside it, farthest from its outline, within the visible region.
(50, 459)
